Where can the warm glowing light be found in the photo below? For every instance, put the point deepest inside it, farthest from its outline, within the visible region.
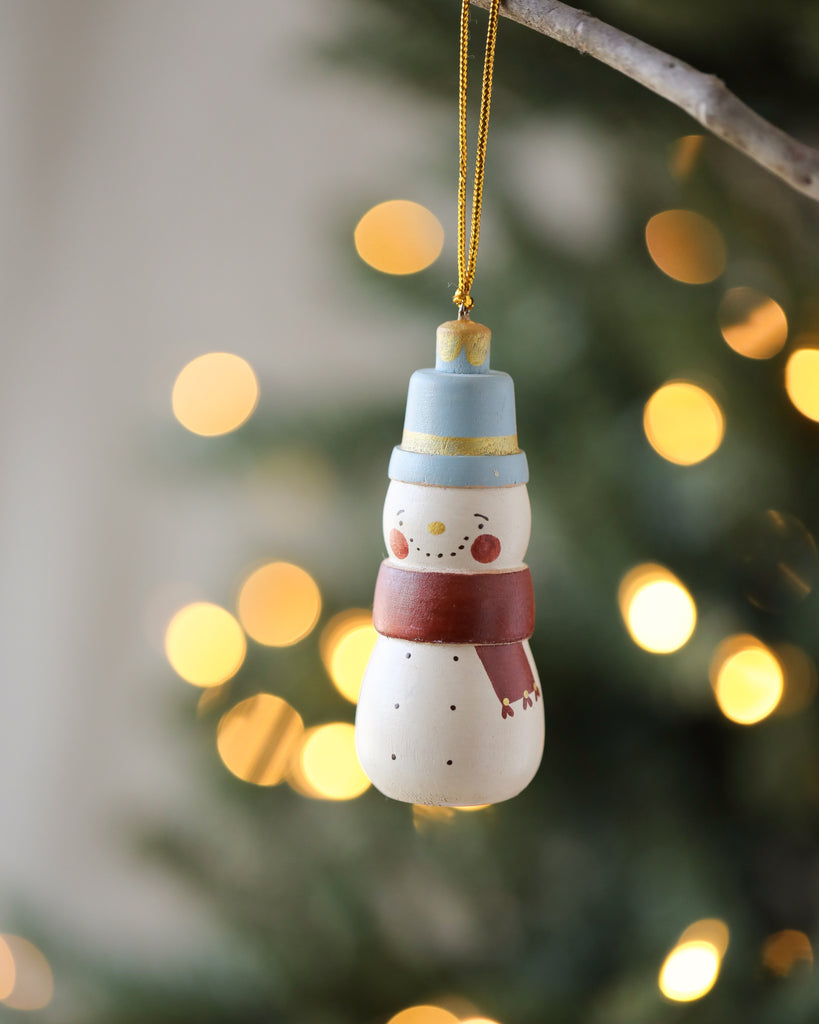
(785, 950)
(425, 815)
(205, 644)
(683, 423)
(399, 237)
(658, 611)
(709, 929)
(690, 971)
(296, 777)
(424, 1015)
(346, 644)
(329, 762)
(215, 393)
(279, 604)
(258, 738)
(463, 1009)
(32, 980)
(752, 323)
(802, 378)
(7, 971)
(478, 1020)
(686, 246)
(747, 679)
(684, 154)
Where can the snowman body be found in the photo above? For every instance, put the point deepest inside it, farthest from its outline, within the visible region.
(450, 710)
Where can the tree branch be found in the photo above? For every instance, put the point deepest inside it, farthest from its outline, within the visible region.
(704, 97)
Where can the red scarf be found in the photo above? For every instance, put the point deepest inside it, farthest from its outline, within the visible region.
(493, 611)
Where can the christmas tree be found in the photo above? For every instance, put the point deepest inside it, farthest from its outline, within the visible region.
(653, 295)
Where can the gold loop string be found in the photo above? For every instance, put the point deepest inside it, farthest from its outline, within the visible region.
(468, 260)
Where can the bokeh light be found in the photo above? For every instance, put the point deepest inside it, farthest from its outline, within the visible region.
(33, 982)
(215, 393)
(7, 971)
(708, 929)
(785, 950)
(279, 604)
(686, 246)
(205, 644)
(258, 738)
(752, 323)
(683, 423)
(689, 971)
(684, 154)
(425, 815)
(802, 377)
(747, 679)
(399, 237)
(424, 1015)
(346, 644)
(329, 765)
(657, 609)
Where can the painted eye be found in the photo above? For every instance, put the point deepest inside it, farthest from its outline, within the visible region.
(398, 544)
(485, 548)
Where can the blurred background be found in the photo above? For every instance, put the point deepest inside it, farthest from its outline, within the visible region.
(228, 237)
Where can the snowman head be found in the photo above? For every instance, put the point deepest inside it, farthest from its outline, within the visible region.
(457, 501)
(456, 529)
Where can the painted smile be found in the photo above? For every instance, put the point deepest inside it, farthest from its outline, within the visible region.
(484, 548)
(442, 554)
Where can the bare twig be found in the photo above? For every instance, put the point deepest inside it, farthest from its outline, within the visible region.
(704, 97)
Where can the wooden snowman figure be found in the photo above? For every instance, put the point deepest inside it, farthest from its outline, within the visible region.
(450, 710)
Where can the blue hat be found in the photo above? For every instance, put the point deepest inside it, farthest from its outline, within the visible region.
(460, 428)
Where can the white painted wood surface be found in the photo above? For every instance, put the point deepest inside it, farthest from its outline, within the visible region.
(430, 727)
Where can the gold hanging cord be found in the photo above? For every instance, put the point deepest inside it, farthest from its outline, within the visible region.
(466, 263)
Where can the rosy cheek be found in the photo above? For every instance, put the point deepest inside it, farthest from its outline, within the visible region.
(486, 548)
(398, 544)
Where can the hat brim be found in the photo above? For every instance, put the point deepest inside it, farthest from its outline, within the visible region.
(459, 470)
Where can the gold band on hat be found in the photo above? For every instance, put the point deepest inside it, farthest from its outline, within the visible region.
(434, 444)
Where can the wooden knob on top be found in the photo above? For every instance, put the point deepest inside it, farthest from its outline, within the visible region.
(462, 347)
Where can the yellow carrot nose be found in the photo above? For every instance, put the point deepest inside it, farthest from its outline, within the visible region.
(436, 527)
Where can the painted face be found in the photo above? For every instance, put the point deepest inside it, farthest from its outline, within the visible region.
(460, 529)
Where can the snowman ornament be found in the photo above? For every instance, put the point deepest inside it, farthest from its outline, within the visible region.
(450, 711)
